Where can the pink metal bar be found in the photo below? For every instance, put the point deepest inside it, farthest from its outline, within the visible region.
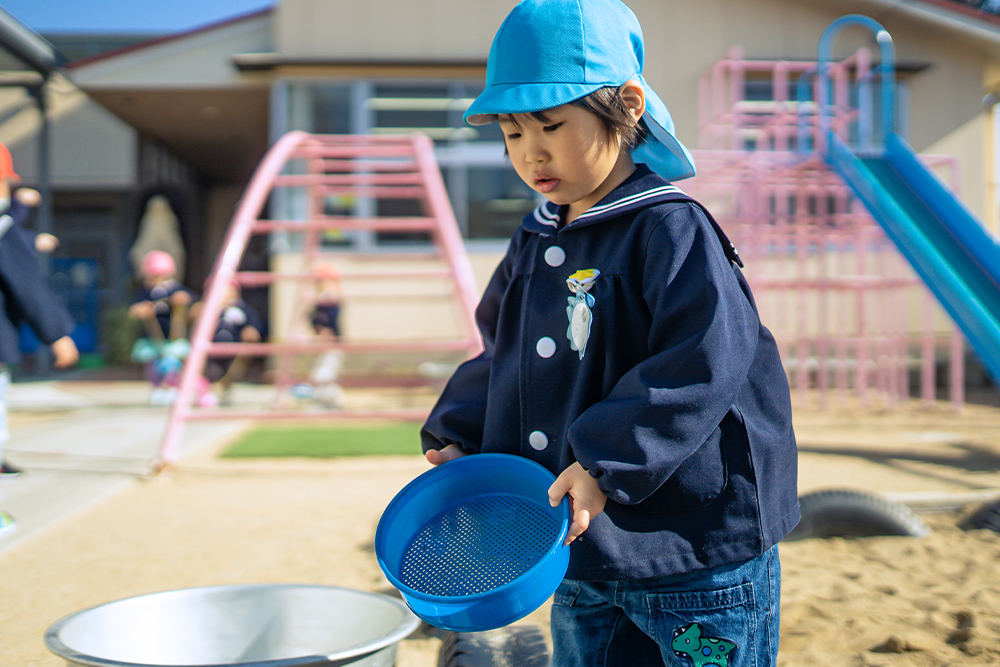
(309, 414)
(957, 370)
(328, 223)
(262, 278)
(324, 178)
(349, 151)
(373, 191)
(436, 200)
(333, 222)
(260, 349)
(377, 166)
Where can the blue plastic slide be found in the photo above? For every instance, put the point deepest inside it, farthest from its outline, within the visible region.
(944, 242)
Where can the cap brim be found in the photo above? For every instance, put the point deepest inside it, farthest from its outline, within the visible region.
(661, 150)
(524, 98)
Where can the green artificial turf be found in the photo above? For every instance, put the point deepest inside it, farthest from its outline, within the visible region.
(328, 441)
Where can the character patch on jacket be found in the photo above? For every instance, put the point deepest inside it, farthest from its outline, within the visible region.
(578, 310)
(688, 642)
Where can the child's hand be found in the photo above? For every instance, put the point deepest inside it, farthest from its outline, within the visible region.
(438, 456)
(65, 352)
(28, 197)
(250, 335)
(46, 242)
(143, 310)
(180, 298)
(586, 500)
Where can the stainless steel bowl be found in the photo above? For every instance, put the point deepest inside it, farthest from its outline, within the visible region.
(256, 625)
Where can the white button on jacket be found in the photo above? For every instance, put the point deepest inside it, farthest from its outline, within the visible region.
(545, 347)
(538, 440)
(555, 256)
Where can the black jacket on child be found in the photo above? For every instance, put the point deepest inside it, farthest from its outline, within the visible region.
(679, 407)
(25, 294)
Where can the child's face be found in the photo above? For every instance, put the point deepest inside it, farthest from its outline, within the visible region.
(569, 158)
(152, 280)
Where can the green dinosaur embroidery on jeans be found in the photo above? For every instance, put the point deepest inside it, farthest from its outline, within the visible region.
(703, 651)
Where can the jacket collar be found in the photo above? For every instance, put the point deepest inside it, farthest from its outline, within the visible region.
(640, 190)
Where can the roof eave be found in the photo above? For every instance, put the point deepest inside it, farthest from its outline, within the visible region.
(27, 46)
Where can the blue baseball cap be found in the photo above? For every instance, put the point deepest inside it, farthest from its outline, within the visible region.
(550, 52)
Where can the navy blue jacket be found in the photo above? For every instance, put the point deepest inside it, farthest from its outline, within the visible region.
(679, 408)
(25, 294)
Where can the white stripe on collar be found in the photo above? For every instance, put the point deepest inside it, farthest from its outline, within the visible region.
(546, 218)
(628, 201)
(544, 207)
(6, 222)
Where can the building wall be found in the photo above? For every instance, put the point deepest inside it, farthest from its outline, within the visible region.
(388, 29)
(89, 149)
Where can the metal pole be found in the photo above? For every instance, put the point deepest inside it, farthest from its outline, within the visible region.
(43, 223)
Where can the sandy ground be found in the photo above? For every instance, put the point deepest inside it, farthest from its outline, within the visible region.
(873, 601)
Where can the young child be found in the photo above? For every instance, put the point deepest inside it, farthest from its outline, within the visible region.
(624, 353)
(162, 305)
(238, 323)
(25, 297)
(325, 320)
(325, 316)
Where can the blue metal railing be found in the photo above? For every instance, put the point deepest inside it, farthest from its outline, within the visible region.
(887, 71)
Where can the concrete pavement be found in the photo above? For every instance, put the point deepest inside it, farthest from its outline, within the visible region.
(80, 441)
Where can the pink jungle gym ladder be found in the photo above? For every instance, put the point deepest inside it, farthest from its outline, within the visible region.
(851, 318)
(318, 169)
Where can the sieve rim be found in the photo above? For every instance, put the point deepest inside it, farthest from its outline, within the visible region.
(428, 478)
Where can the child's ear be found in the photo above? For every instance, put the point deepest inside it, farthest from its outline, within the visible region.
(634, 98)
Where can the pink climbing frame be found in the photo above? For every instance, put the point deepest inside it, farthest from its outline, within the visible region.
(853, 321)
(317, 168)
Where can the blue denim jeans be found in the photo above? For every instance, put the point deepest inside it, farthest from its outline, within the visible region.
(727, 616)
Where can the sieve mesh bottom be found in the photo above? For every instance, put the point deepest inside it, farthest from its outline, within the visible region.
(478, 545)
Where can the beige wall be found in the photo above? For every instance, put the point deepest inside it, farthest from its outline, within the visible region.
(385, 29)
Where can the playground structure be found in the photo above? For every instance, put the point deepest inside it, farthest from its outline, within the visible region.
(847, 237)
(943, 241)
(337, 186)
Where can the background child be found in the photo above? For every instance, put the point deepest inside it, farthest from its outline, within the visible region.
(325, 319)
(325, 316)
(624, 353)
(238, 323)
(162, 306)
(25, 297)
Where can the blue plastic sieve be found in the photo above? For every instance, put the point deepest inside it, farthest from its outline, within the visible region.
(474, 544)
